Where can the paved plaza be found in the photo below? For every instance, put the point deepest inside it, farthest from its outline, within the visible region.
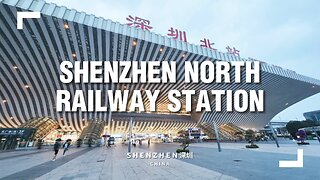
(234, 162)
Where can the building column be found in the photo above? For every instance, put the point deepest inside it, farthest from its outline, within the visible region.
(216, 129)
(130, 134)
(274, 135)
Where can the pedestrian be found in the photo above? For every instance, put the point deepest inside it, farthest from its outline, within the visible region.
(66, 146)
(90, 141)
(109, 142)
(149, 142)
(56, 148)
(39, 144)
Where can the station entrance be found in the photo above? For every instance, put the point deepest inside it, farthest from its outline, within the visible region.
(12, 138)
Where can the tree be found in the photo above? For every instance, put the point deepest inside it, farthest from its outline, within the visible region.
(185, 141)
(79, 142)
(250, 136)
(294, 126)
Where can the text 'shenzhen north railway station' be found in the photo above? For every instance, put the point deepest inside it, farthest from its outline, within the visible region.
(149, 71)
(30, 60)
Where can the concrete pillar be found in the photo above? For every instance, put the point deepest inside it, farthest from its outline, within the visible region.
(216, 129)
(274, 135)
(130, 134)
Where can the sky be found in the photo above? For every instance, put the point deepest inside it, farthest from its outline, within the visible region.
(283, 33)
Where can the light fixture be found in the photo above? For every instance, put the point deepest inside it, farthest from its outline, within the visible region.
(4, 101)
(183, 55)
(134, 43)
(286, 104)
(66, 26)
(161, 49)
(11, 117)
(26, 86)
(74, 55)
(15, 67)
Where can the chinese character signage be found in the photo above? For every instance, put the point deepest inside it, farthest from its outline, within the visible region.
(233, 51)
(139, 23)
(206, 44)
(176, 34)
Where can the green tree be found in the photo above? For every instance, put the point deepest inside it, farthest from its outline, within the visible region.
(294, 126)
(185, 141)
(250, 136)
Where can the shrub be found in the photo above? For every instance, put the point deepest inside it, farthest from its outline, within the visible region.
(303, 143)
(182, 150)
(252, 146)
(79, 142)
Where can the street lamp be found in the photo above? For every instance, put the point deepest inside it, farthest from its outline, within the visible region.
(130, 134)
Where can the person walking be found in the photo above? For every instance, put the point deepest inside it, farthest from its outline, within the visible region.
(66, 146)
(56, 148)
(109, 143)
(90, 141)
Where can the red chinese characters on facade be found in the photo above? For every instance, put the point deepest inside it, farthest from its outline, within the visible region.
(233, 51)
(206, 44)
(139, 23)
(175, 34)
(144, 24)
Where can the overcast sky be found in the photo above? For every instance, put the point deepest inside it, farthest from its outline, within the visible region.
(284, 33)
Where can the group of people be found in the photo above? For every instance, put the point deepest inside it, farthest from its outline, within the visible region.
(134, 142)
(57, 146)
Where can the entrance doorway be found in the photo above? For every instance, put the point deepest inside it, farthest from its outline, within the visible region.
(11, 138)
